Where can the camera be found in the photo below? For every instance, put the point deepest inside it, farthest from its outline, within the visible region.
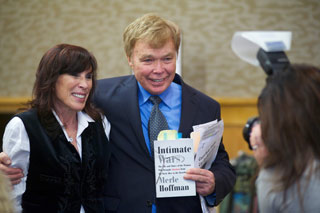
(247, 129)
(271, 62)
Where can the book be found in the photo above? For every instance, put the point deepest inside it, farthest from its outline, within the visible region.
(172, 159)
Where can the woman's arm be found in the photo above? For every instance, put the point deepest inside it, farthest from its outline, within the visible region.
(17, 146)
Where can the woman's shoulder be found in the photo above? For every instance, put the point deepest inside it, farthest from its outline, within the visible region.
(266, 174)
(14, 123)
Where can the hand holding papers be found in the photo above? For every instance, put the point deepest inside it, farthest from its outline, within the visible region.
(207, 139)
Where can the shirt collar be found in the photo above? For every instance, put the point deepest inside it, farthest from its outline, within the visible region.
(144, 95)
(83, 121)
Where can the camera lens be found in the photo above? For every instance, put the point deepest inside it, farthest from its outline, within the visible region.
(247, 130)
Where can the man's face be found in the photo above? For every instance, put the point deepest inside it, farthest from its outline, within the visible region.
(154, 68)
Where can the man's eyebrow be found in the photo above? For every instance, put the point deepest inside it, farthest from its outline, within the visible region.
(151, 56)
(146, 56)
(168, 54)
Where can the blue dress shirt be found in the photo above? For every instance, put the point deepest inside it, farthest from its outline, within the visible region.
(170, 108)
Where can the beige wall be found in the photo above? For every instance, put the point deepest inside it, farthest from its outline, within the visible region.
(29, 27)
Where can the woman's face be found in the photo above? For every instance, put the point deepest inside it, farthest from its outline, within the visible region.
(260, 151)
(72, 91)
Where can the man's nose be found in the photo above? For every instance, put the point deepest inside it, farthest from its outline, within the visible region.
(158, 66)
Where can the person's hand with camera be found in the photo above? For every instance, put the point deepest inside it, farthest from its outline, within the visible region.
(256, 142)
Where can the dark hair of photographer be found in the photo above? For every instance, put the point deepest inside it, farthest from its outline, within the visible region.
(289, 111)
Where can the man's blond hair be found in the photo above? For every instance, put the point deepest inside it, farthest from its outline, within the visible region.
(153, 29)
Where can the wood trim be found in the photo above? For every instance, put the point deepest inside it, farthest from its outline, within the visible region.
(229, 102)
(234, 112)
(9, 105)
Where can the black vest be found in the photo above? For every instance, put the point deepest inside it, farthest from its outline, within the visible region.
(58, 180)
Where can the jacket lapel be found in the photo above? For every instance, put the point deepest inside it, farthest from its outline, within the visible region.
(189, 108)
(132, 111)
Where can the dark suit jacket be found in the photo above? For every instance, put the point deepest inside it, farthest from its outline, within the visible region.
(131, 181)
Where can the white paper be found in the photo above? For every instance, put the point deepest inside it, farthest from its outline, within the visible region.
(172, 159)
(246, 44)
(210, 138)
(204, 207)
(203, 126)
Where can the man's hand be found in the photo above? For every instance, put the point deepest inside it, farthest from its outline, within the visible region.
(14, 174)
(205, 181)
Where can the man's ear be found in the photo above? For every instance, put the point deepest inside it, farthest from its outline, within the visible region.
(130, 61)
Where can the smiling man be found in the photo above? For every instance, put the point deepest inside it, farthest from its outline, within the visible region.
(151, 45)
(154, 68)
